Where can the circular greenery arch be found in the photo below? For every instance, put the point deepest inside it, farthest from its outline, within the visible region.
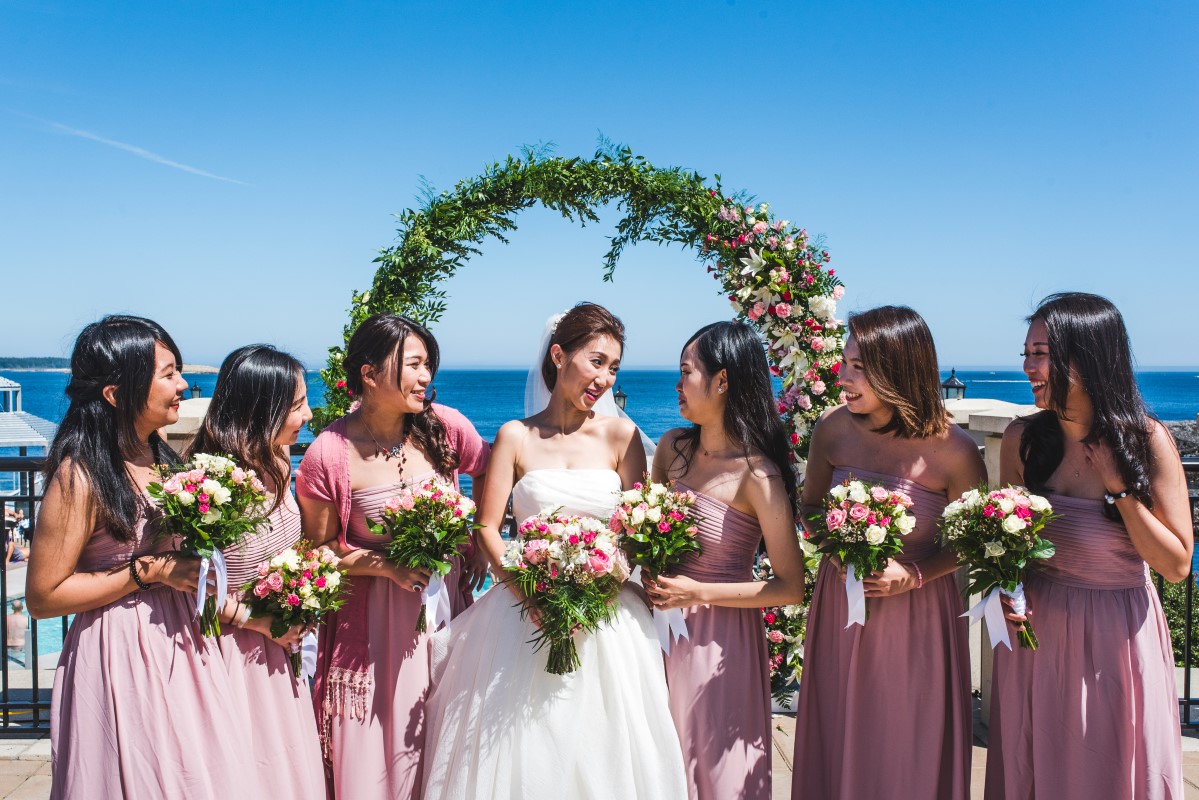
(773, 274)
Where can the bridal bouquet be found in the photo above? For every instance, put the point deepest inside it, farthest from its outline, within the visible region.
(211, 504)
(865, 525)
(570, 568)
(995, 534)
(426, 526)
(658, 528)
(296, 586)
(785, 627)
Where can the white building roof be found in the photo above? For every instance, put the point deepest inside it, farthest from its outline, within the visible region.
(21, 429)
(5, 383)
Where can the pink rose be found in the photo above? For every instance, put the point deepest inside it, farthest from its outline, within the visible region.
(760, 227)
(320, 582)
(775, 636)
(293, 599)
(834, 519)
(858, 512)
(238, 475)
(663, 527)
(256, 485)
(536, 551)
(817, 344)
(391, 505)
(599, 562)
(275, 581)
(172, 486)
(804, 402)
(757, 311)
(263, 569)
(782, 310)
(838, 292)
(261, 589)
(773, 242)
(879, 493)
(818, 388)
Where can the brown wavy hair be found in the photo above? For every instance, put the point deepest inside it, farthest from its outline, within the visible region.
(380, 338)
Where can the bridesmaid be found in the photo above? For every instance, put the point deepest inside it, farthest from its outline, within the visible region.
(884, 709)
(1093, 712)
(259, 405)
(373, 667)
(139, 707)
(735, 458)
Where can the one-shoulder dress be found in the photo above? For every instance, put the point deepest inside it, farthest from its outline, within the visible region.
(500, 726)
(884, 708)
(1093, 711)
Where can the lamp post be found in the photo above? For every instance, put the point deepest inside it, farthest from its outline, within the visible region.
(953, 388)
(195, 390)
(620, 398)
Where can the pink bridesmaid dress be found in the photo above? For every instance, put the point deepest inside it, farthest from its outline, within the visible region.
(884, 709)
(141, 704)
(280, 735)
(719, 677)
(1093, 712)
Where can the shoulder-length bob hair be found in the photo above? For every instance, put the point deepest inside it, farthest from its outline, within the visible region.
(252, 400)
(1087, 335)
(381, 338)
(96, 436)
(900, 362)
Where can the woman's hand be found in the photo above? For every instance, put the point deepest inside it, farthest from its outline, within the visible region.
(290, 638)
(678, 592)
(414, 580)
(1099, 458)
(474, 569)
(1017, 620)
(894, 579)
(178, 571)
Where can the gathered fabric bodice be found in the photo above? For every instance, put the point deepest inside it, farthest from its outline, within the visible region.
(1092, 551)
(281, 530)
(927, 506)
(103, 552)
(728, 541)
(584, 492)
(367, 504)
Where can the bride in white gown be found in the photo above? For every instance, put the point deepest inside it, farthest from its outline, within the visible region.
(498, 724)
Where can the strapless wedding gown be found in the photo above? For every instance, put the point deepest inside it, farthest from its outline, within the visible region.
(500, 726)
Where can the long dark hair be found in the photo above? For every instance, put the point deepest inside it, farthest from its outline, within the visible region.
(381, 337)
(751, 417)
(96, 436)
(1087, 333)
(253, 398)
(577, 327)
(900, 362)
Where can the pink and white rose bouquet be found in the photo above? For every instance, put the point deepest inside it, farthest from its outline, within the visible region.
(570, 569)
(210, 503)
(427, 526)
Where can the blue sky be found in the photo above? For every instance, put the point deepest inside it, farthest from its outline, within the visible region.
(231, 169)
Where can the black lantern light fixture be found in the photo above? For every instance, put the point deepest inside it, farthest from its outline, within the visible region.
(953, 388)
(620, 398)
(195, 390)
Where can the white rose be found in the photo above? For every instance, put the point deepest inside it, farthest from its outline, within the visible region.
(795, 610)
(333, 579)
(1013, 524)
(875, 534)
(994, 549)
(637, 517)
(1037, 503)
(631, 496)
(221, 496)
(839, 493)
(905, 523)
(1006, 505)
(306, 590)
(291, 560)
(312, 602)
(210, 516)
(277, 561)
(658, 489)
(972, 498)
(209, 487)
(654, 515)
(185, 498)
(952, 510)
(822, 307)
(858, 493)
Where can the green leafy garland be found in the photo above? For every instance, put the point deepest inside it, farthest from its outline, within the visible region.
(773, 274)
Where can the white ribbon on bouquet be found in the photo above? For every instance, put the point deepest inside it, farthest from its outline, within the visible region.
(991, 609)
(307, 650)
(855, 594)
(436, 597)
(220, 576)
(668, 622)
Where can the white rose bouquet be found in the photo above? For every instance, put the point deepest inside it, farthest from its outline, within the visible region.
(995, 534)
(864, 526)
(210, 504)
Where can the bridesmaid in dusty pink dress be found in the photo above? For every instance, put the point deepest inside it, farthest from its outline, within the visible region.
(884, 708)
(257, 409)
(1093, 712)
(373, 667)
(735, 459)
(139, 707)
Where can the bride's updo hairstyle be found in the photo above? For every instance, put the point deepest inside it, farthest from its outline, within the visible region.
(96, 436)
(380, 338)
(1087, 335)
(900, 362)
(751, 418)
(577, 327)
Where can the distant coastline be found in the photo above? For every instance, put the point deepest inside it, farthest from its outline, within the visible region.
(193, 369)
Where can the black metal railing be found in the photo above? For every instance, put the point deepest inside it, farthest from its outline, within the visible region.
(1187, 702)
(24, 691)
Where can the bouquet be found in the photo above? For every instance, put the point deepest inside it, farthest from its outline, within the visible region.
(995, 534)
(865, 525)
(657, 528)
(570, 568)
(211, 504)
(296, 586)
(785, 627)
(427, 525)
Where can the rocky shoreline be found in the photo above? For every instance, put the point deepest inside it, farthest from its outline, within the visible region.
(1186, 435)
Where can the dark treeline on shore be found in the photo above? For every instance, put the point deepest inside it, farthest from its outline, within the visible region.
(39, 362)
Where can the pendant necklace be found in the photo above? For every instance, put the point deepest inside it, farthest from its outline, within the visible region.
(388, 453)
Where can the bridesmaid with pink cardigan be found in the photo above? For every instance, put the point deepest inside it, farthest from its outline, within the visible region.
(884, 708)
(258, 408)
(140, 705)
(373, 667)
(735, 457)
(1093, 712)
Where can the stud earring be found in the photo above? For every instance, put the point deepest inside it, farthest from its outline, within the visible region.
(720, 389)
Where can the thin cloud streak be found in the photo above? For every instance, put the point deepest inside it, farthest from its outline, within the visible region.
(140, 152)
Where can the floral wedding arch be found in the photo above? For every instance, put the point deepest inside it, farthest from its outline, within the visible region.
(775, 276)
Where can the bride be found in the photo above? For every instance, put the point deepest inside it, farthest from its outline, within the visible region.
(499, 725)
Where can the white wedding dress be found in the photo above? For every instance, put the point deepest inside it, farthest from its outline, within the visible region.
(500, 726)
